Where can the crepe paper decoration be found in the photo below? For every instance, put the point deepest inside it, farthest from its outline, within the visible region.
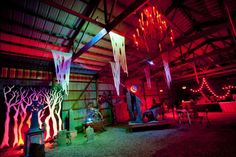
(166, 68)
(116, 76)
(147, 74)
(62, 63)
(118, 46)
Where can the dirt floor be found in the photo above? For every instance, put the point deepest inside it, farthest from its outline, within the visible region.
(217, 139)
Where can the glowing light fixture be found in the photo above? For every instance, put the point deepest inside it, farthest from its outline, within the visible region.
(89, 120)
(134, 88)
(184, 87)
(153, 32)
(150, 62)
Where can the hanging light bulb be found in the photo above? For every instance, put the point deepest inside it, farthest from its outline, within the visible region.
(150, 62)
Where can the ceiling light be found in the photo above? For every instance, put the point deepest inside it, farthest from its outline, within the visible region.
(150, 62)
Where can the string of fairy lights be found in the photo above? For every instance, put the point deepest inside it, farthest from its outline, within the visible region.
(205, 84)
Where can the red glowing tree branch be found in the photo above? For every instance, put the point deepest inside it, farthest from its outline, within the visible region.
(10, 102)
(15, 128)
(24, 104)
(18, 100)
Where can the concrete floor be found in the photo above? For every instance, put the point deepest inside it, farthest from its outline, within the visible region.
(199, 140)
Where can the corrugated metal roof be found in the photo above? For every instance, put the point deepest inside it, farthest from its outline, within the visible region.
(63, 23)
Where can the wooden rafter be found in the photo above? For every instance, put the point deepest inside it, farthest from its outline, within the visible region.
(72, 12)
(91, 7)
(133, 7)
(214, 52)
(213, 72)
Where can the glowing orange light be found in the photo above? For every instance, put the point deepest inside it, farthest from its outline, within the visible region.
(153, 28)
(134, 88)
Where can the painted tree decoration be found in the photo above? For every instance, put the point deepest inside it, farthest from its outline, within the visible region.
(53, 99)
(17, 101)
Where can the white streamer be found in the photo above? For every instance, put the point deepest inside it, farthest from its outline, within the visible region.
(62, 63)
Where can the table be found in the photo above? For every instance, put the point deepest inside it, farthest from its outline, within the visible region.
(228, 106)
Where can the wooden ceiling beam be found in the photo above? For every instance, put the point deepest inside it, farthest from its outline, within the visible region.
(231, 69)
(176, 65)
(199, 35)
(90, 8)
(214, 52)
(90, 62)
(96, 57)
(132, 8)
(203, 14)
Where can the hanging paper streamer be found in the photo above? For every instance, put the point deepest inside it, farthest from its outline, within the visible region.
(166, 68)
(116, 75)
(118, 45)
(147, 74)
(62, 63)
